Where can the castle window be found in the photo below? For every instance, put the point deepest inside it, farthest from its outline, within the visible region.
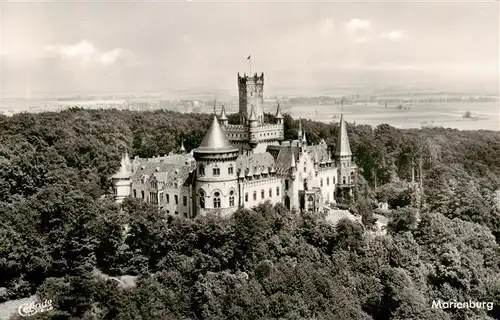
(184, 201)
(286, 184)
(216, 171)
(168, 211)
(270, 193)
(277, 191)
(152, 197)
(262, 194)
(230, 169)
(177, 212)
(333, 179)
(327, 181)
(216, 200)
(321, 182)
(142, 194)
(135, 193)
(246, 196)
(343, 180)
(176, 197)
(201, 170)
(168, 198)
(231, 198)
(202, 199)
(255, 196)
(305, 184)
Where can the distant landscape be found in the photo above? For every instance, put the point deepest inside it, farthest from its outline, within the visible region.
(465, 111)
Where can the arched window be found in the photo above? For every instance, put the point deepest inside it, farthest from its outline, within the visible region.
(327, 181)
(230, 169)
(321, 182)
(231, 198)
(352, 177)
(343, 180)
(310, 199)
(202, 199)
(202, 170)
(216, 200)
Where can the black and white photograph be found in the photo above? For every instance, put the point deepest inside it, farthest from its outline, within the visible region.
(249, 160)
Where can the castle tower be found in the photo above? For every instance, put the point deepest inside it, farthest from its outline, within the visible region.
(279, 116)
(343, 158)
(216, 186)
(223, 117)
(251, 92)
(122, 180)
(252, 128)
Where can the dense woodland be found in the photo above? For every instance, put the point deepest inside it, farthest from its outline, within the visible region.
(57, 225)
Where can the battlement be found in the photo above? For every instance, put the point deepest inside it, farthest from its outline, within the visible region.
(255, 79)
(235, 128)
(269, 127)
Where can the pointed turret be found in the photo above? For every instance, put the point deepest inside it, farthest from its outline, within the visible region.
(292, 162)
(215, 140)
(122, 180)
(299, 132)
(278, 112)
(182, 149)
(252, 117)
(223, 117)
(304, 140)
(343, 148)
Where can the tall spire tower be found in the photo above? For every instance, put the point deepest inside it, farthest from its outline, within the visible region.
(251, 92)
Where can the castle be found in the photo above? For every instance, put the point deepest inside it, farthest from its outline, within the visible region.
(241, 166)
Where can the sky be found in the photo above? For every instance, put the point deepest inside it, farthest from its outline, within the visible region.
(132, 47)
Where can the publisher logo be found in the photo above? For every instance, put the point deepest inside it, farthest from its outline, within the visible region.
(29, 309)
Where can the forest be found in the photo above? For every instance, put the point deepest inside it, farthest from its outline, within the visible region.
(58, 225)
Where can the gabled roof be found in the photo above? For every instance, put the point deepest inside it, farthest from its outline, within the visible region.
(343, 148)
(215, 140)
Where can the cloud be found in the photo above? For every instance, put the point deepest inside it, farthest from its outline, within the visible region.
(355, 25)
(326, 28)
(395, 35)
(87, 52)
(111, 57)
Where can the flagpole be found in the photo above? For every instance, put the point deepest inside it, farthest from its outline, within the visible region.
(250, 62)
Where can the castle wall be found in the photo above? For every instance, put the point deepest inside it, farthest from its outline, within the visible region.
(263, 189)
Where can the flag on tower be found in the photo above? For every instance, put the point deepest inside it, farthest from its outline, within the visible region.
(249, 57)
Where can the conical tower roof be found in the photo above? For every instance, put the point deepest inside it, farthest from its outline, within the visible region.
(124, 171)
(223, 115)
(278, 112)
(343, 148)
(252, 117)
(182, 147)
(215, 140)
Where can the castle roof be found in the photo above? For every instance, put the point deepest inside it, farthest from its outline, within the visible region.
(215, 140)
(167, 173)
(284, 155)
(255, 163)
(343, 148)
(223, 115)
